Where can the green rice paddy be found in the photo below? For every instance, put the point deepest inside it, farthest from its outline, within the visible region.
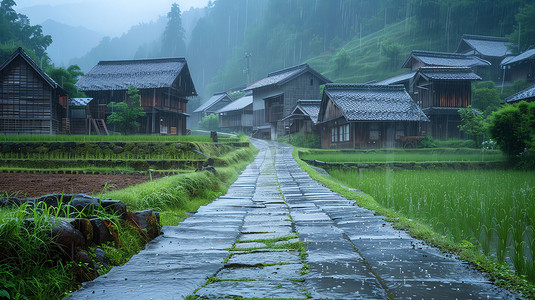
(493, 210)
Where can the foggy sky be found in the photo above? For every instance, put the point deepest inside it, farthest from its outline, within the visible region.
(109, 17)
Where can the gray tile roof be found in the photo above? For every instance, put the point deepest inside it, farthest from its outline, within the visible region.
(448, 73)
(121, 74)
(213, 100)
(527, 94)
(311, 108)
(238, 104)
(374, 102)
(486, 45)
(443, 59)
(79, 101)
(397, 79)
(282, 76)
(529, 54)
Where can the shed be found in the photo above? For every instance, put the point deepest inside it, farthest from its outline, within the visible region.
(304, 117)
(520, 67)
(211, 106)
(527, 95)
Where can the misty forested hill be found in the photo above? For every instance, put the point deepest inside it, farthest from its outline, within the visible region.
(358, 41)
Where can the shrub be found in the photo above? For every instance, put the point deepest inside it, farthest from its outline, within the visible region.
(513, 128)
(427, 142)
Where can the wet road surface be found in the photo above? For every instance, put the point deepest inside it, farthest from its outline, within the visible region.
(279, 234)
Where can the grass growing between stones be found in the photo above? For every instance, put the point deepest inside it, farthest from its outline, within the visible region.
(178, 195)
(478, 209)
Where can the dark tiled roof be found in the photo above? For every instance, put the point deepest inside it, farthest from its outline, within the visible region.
(397, 79)
(121, 74)
(486, 45)
(310, 108)
(282, 76)
(213, 100)
(20, 52)
(444, 59)
(448, 73)
(529, 54)
(238, 104)
(79, 101)
(527, 94)
(374, 102)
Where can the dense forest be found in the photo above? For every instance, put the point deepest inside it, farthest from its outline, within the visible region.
(231, 43)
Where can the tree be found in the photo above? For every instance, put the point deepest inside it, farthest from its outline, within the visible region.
(124, 114)
(486, 100)
(392, 52)
(67, 79)
(513, 128)
(473, 124)
(173, 37)
(342, 59)
(210, 122)
(524, 33)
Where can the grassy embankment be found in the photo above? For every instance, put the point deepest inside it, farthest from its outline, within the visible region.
(485, 216)
(33, 274)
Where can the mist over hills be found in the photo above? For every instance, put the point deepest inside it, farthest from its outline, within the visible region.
(69, 42)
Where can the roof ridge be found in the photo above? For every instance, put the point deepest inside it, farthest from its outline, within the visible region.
(484, 37)
(448, 69)
(356, 86)
(150, 60)
(437, 54)
(293, 68)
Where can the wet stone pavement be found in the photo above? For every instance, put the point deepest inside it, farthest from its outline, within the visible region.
(279, 234)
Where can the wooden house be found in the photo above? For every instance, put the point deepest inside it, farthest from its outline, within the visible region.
(367, 116)
(490, 48)
(441, 92)
(164, 86)
(276, 95)
(237, 116)
(80, 121)
(527, 95)
(520, 67)
(30, 101)
(418, 59)
(304, 117)
(215, 103)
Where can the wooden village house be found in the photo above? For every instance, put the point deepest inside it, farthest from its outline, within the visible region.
(215, 103)
(441, 92)
(164, 86)
(304, 117)
(367, 116)
(275, 96)
(520, 67)
(418, 59)
(489, 48)
(237, 116)
(30, 101)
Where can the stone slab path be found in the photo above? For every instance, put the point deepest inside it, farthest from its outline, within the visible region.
(279, 234)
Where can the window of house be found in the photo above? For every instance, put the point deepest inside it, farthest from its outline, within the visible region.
(346, 132)
(311, 81)
(400, 130)
(374, 132)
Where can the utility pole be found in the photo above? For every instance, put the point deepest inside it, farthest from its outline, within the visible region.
(247, 69)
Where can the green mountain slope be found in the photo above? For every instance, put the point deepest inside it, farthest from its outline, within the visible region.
(367, 59)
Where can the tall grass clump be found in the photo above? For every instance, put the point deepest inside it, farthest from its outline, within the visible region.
(494, 210)
(26, 268)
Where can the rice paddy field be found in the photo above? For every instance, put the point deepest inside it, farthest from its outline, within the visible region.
(491, 209)
(404, 155)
